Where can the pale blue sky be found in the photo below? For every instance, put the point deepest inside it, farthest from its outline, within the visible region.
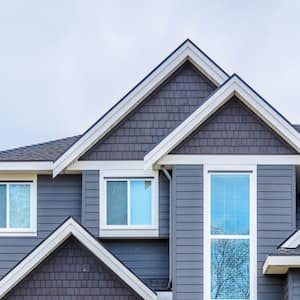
(64, 63)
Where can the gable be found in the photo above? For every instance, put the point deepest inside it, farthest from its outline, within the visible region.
(72, 271)
(233, 129)
(155, 117)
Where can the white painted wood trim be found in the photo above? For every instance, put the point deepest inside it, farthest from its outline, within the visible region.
(234, 86)
(164, 295)
(70, 227)
(280, 264)
(6, 166)
(177, 159)
(252, 169)
(186, 52)
(293, 242)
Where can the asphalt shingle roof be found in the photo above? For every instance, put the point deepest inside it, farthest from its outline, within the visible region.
(48, 151)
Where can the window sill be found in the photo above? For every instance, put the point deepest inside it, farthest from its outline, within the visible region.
(18, 233)
(129, 233)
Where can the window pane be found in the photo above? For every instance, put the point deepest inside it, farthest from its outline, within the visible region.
(230, 204)
(116, 202)
(230, 269)
(141, 202)
(2, 206)
(19, 205)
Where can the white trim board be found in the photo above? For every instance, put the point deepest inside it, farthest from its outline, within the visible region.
(187, 51)
(26, 166)
(280, 264)
(234, 86)
(293, 241)
(177, 159)
(67, 229)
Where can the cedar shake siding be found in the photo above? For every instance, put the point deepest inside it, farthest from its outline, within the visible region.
(72, 272)
(155, 117)
(233, 129)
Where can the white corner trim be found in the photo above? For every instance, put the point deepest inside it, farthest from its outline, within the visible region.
(70, 227)
(280, 264)
(178, 159)
(293, 241)
(164, 296)
(234, 86)
(6, 166)
(187, 51)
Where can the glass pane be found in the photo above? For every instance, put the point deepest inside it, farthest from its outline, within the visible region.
(116, 202)
(141, 202)
(230, 269)
(19, 205)
(2, 206)
(230, 204)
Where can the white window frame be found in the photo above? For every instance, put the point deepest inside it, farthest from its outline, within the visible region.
(30, 179)
(229, 169)
(124, 231)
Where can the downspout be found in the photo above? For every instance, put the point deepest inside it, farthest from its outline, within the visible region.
(169, 177)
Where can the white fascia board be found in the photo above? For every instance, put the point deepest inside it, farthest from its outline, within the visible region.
(293, 241)
(234, 86)
(6, 166)
(280, 264)
(186, 52)
(70, 227)
(106, 165)
(194, 159)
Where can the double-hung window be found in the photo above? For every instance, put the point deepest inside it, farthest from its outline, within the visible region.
(17, 206)
(129, 207)
(230, 251)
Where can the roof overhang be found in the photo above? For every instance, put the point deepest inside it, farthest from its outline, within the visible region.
(185, 52)
(233, 86)
(71, 228)
(280, 264)
(26, 166)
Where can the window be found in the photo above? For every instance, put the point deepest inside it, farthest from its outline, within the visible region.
(230, 251)
(129, 203)
(17, 206)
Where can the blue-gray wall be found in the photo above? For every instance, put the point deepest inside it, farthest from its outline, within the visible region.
(56, 200)
(233, 129)
(292, 285)
(155, 117)
(276, 188)
(187, 210)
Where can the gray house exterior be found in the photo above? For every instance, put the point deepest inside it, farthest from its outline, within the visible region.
(187, 189)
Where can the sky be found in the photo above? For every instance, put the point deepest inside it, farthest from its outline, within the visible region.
(65, 63)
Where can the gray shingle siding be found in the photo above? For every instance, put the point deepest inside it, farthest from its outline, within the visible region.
(187, 209)
(90, 201)
(72, 272)
(155, 117)
(233, 129)
(275, 221)
(56, 200)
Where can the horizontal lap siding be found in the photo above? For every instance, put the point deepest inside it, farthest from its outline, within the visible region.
(57, 199)
(293, 285)
(90, 201)
(275, 221)
(188, 232)
(146, 258)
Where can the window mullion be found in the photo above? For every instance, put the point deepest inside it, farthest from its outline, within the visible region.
(7, 206)
(128, 203)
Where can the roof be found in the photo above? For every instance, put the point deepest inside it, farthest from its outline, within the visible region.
(47, 151)
(67, 229)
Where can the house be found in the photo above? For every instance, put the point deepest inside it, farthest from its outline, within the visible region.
(186, 189)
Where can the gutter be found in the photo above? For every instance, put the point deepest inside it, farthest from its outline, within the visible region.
(169, 177)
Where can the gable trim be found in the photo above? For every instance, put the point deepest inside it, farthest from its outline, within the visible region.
(233, 86)
(71, 228)
(292, 242)
(185, 52)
